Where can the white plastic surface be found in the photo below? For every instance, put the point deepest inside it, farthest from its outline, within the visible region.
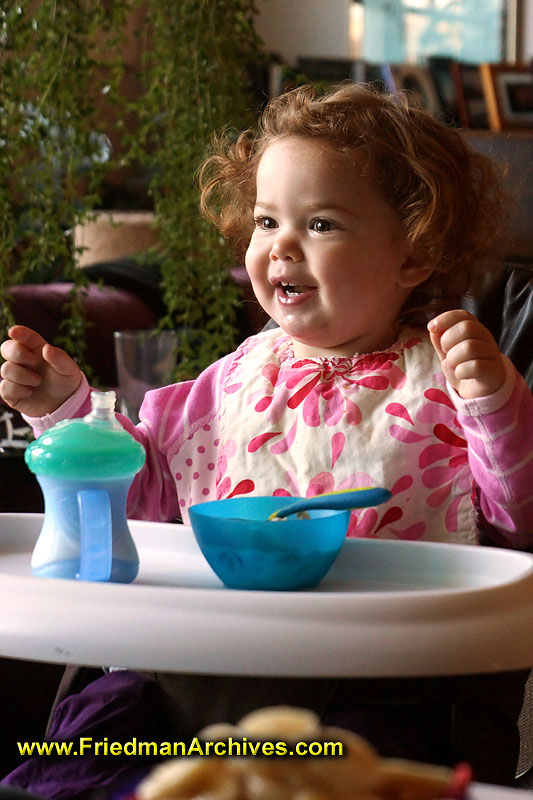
(385, 609)
(479, 791)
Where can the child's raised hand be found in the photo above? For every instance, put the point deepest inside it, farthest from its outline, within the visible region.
(470, 358)
(37, 378)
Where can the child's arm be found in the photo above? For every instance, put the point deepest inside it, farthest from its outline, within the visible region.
(496, 423)
(46, 386)
(36, 377)
(469, 355)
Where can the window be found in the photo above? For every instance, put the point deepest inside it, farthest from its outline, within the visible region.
(407, 31)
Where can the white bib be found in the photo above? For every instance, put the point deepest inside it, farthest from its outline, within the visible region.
(303, 426)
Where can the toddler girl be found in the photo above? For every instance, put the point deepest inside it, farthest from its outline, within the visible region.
(362, 221)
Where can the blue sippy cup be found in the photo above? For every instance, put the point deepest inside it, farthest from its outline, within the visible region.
(85, 468)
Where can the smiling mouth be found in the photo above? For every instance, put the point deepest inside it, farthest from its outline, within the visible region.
(294, 290)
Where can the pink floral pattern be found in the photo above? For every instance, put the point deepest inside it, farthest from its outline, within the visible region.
(223, 481)
(327, 388)
(444, 461)
(319, 424)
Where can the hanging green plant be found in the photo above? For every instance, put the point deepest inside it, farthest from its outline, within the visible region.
(60, 64)
(56, 59)
(197, 67)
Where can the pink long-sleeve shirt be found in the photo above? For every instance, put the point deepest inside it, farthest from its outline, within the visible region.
(261, 421)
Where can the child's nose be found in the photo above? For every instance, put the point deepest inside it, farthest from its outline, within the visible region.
(285, 248)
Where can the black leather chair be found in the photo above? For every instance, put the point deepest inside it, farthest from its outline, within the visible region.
(503, 301)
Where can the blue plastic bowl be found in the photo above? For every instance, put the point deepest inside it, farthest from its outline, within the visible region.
(246, 551)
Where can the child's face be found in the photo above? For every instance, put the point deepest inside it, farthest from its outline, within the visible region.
(328, 258)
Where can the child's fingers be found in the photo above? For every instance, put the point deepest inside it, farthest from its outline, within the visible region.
(475, 369)
(61, 362)
(447, 319)
(12, 392)
(471, 360)
(19, 374)
(20, 370)
(435, 341)
(27, 348)
(17, 353)
(27, 337)
(24, 347)
(469, 337)
(455, 327)
(470, 351)
(441, 324)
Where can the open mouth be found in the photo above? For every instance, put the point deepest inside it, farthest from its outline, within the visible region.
(294, 290)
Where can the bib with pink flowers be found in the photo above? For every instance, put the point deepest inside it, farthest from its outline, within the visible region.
(292, 426)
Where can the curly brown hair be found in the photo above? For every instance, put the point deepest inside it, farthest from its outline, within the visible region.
(448, 197)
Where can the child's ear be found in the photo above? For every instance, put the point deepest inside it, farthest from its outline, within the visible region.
(414, 270)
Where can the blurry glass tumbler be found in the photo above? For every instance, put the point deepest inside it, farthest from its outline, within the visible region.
(145, 360)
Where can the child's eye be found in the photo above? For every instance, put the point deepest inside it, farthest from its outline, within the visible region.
(265, 223)
(321, 225)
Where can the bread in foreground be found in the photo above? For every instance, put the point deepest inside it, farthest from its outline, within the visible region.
(359, 774)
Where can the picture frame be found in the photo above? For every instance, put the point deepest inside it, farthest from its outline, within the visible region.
(471, 102)
(509, 95)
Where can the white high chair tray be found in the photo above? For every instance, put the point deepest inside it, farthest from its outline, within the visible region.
(480, 791)
(385, 609)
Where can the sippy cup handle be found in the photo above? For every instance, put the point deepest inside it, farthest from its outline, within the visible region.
(96, 542)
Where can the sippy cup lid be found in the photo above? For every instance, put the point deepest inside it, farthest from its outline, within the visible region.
(96, 446)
